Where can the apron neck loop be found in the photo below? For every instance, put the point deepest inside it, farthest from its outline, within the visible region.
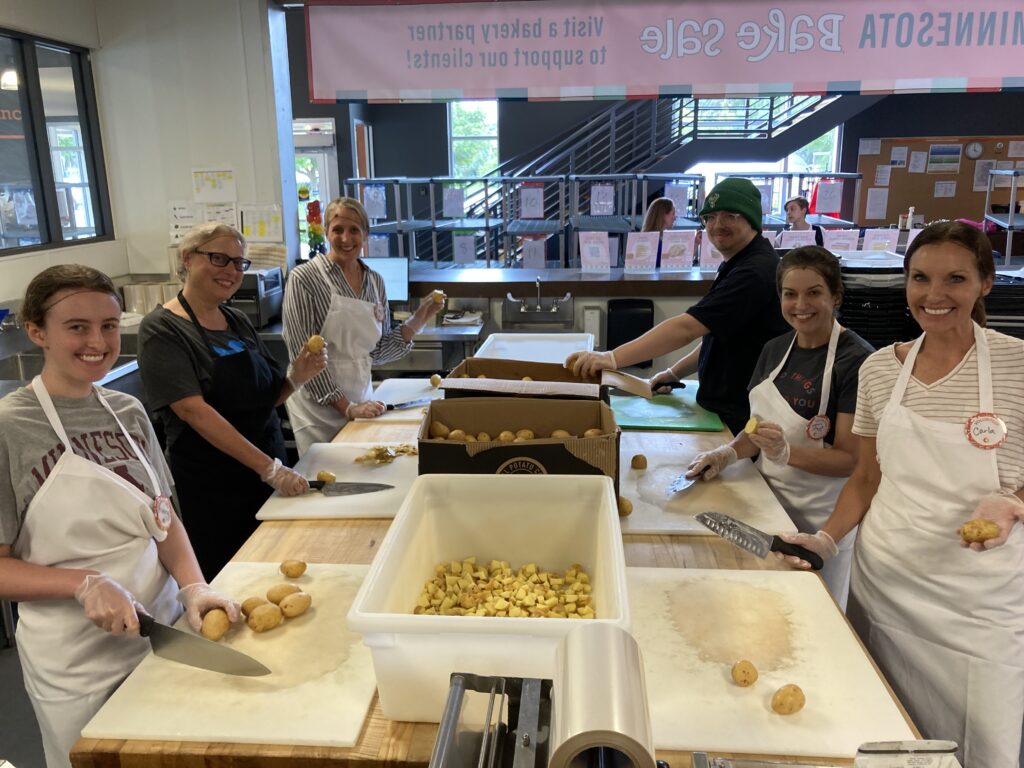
(830, 358)
(985, 397)
(199, 326)
(49, 411)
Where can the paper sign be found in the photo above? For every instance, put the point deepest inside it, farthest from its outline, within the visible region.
(531, 200)
(213, 185)
(224, 213)
(261, 223)
(981, 169)
(677, 247)
(641, 251)
(375, 201)
(830, 196)
(710, 257)
(841, 239)
(602, 200)
(918, 162)
(765, 189)
(795, 238)
(945, 189)
(679, 194)
(594, 251)
(534, 252)
(1015, 149)
(880, 239)
(882, 174)
(464, 248)
(1003, 181)
(454, 203)
(182, 216)
(870, 147)
(944, 158)
(912, 234)
(898, 157)
(878, 203)
(378, 246)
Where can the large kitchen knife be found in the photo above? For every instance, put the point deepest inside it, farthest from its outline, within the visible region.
(409, 404)
(347, 489)
(758, 542)
(634, 385)
(195, 651)
(683, 482)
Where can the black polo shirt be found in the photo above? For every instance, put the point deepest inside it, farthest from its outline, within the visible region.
(741, 312)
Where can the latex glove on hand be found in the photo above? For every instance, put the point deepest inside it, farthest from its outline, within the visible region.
(710, 463)
(771, 441)
(108, 605)
(821, 543)
(1004, 509)
(306, 366)
(368, 409)
(659, 381)
(284, 480)
(199, 598)
(588, 364)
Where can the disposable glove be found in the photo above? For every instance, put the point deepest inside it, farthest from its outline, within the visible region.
(821, 543)
(368, 409)
(108, 605)
(1004, 509)
(771, 441)
(712, 462)
(587, 364)
(284, 480)
(306, 366)
(199, 598)
(659, 381)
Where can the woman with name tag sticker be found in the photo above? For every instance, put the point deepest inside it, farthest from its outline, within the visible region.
(937, 587)
(88, 536)
(802, 397)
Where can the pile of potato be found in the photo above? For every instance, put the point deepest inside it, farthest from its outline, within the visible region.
(440, 431)
(465, 588)
(282, 601)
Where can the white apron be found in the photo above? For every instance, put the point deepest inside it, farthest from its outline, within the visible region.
(353, 331)
(945, 623)
(807, 498)
(85, 516)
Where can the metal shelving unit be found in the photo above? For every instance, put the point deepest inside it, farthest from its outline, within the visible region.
(454, 225)
(404, 224)
(515, 225)
(583, 219)
(687, 219)
(1011, 221)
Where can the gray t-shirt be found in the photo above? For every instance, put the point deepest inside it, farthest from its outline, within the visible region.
(29, 448)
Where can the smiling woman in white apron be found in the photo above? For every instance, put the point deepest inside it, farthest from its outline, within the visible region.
(803, 392)
(944, 415)
(85, 513)
(338, 297)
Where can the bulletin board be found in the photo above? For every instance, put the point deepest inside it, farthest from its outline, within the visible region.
(912, 182)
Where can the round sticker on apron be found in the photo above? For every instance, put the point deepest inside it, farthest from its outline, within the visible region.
(985, 431)
(818, 426)
(162, 510)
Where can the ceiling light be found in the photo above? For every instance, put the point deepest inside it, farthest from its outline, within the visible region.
(9, 80)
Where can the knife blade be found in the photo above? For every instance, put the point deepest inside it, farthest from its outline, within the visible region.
(186, 648)
(754, 541)
(683, 482)
(409, 404)
(701, 760)
(346, 489)
(634, 385)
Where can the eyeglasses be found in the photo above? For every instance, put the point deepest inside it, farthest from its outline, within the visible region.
(727, 217)
(222, 260)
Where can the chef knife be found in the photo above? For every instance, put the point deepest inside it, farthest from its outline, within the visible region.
(683, 482)
(409, 404)
(749, 538)
(195, 651)
(701, 760)
(347, 489)
(634, 385)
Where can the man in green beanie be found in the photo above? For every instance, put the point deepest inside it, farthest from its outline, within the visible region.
(733, 321)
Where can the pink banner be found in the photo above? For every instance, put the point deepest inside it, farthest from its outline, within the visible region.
(553, 49)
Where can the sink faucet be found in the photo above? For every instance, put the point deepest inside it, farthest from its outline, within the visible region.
(538, 294)
(8, 321)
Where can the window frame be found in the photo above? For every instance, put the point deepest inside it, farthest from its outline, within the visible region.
(452, 138)
(51, 233)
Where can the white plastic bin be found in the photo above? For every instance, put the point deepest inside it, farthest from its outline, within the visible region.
(553, 521)
(535, 347)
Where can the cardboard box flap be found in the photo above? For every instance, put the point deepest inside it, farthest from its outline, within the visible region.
(522, 388)
(476, 376)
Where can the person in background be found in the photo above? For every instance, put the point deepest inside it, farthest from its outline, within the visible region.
(941, 427)
(803, 393)
(733, 321)
(661, 215)
(88, 535)
(338, 297)
(796, 220)
(215, 387)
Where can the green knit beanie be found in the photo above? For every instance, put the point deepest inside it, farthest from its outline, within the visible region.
(737, 195)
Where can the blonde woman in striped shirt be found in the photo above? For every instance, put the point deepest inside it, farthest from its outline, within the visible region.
(338, 297)
(941, 424)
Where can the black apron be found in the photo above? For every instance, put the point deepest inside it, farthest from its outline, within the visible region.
(219, 497)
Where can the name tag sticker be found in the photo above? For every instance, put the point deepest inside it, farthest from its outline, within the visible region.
(985, 431)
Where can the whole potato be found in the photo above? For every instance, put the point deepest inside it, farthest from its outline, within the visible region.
(483, 437)
(296, 604)
(264, 618)
(215, 624)
(457, 434)
(561, 433)
(279, 592)
(326, 476)
(594, 432)
(526, 434)
(315, 344)
(979, 530)
(251, 604)
(293, 568)
(507, 436)
(744, 673)
(437, 429)
(788, 700)
(639, 461)
(435, 380)
(625, 507)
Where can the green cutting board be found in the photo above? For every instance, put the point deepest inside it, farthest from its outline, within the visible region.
(677, 412)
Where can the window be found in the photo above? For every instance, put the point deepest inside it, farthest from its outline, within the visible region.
(473, 137)
(52, 190)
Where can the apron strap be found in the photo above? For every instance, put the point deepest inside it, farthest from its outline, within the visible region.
(138, 451)
(39, 388)
(202, 331)
(896, 397)
(986, 401)
(830, 358)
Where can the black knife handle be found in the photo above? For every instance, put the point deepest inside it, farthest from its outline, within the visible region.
(316, 485)
(674, 385)
(778, 545)
(146, 622)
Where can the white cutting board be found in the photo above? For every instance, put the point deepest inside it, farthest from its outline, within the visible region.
(340, 458)
(403, 391)
(536, 347)
(318, 692)
(739, 491)
(693, 624)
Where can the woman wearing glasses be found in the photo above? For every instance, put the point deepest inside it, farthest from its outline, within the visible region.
(215, 387)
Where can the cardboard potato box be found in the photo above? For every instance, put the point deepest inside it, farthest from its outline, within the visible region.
(542, 456)
(479, 376)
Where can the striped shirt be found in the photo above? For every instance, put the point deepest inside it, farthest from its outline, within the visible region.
(954, 397)
(307, 300)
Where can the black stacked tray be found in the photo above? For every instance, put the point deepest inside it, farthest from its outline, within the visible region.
(875, 305)
(1005, 306)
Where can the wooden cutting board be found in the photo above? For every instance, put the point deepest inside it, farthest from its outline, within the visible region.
(340, 458)
(692, 625)
(740, 491)
(404, 391)
(317, 694)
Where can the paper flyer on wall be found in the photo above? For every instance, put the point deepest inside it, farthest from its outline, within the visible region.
(945, 189)
(641, 251)
(182, 215)
(918, 162)
(214, 185)
(981, 169)
(594, 253)
(602, 200)
(261, 222)
(898, 157)
(224, 213)
(869, 147)
(882, 175)
(1004, 181)
(677, 247)
(453, 204)
(880, 239)
(830, 195)
(944, 158)
(878, 203)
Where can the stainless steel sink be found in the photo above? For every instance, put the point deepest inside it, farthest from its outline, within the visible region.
(24, 366)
